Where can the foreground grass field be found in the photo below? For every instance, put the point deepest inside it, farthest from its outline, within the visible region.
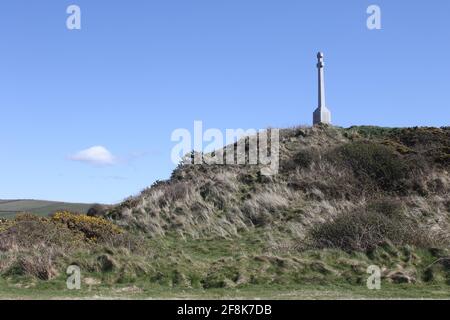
(243, 268)
(117, 265)
(142, 291)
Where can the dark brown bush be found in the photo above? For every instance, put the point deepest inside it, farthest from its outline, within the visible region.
(301, 160)
(388, 207)
(364, 231)
(97, 210)
(373, 164)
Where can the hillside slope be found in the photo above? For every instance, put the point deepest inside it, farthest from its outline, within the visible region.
(344, 200)
(324, 172)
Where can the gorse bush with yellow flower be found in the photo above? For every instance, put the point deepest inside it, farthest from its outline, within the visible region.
(62, 227)
(27, 241)
(93, 228)
(4, 224)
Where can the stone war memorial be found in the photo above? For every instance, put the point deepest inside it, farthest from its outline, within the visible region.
(321, 114)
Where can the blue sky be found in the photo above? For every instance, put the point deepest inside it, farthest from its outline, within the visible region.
(137, 70)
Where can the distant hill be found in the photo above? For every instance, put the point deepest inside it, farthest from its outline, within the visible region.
(10, 208)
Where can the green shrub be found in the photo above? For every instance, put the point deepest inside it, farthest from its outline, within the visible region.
(388, 207)
(302, 159)
(373, 163)
(97, 210)
(364, 231)
(369, 131)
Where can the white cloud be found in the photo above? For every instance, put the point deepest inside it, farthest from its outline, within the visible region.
(97, 155)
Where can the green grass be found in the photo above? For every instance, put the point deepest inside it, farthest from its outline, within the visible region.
(175, 268)
(146, 290)
(371, 131)
(10, 208)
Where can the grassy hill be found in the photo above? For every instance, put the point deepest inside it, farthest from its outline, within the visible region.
(324, 172)
(10, 208)
(344, 199)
